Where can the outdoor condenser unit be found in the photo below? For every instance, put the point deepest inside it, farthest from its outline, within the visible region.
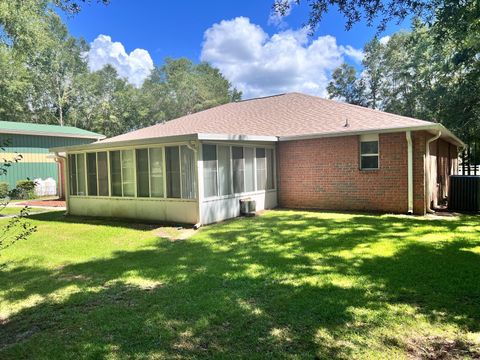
(464, 193)
(247, 207)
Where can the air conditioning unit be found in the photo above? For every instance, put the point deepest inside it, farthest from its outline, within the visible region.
(248, 207)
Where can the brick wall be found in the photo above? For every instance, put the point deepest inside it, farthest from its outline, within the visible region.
(324, 173)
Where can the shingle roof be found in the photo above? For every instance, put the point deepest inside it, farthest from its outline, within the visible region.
(282, 115)
(46, 130)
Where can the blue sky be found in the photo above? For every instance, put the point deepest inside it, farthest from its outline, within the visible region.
(177, 29)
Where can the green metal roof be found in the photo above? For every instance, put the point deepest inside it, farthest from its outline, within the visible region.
(12, 127)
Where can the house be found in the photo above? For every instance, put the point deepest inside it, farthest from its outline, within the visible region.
(32, 142)
(290, 150)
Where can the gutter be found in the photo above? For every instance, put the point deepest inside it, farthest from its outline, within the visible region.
(410, 172)
(427, 172)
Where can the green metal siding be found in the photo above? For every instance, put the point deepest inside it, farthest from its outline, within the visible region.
(28, 146)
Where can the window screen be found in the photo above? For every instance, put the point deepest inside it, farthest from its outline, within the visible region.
(261, 160)
(115, 173)
(72, 170)
(249, 168)
(270, 169)
(189, 185)
(209, 153)
(128, 173)
(143, 182)
(81, 184)
(92, 174)
(238, 169)
(156, 172)
(102, 170)
(172, 164)
(224, 170)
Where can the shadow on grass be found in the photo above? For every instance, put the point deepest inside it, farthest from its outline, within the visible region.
(262, 287)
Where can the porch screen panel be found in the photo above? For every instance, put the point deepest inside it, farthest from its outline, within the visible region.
(143, 187)
(248, 152)
(115, 173)
(189, 184)
(238, 169)
(210, 186)
(128, 173)
(102, 170)
(156, 172)
(92, 174)
(224, 170)
(72, 171)
(261, 160)
(81, 183)
(172, 164)
(270, 169)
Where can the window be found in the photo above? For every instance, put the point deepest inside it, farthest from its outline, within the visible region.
(238, 169)
(270, 169)
(72, 170)
(115, 173)
(261, 160)
(172, 164)
(189, 184)
(81, 185)
(102, 171)
(224, 170)
(128, 173)
(143, 181)
(156, 172)
(369, 152)
(209, 153)
(249, 169)
(92, 174)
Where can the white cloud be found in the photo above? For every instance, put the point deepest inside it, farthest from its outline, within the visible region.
(259, 64)
(135, 67)
(276, 19)
(355, 54)
(384, 40)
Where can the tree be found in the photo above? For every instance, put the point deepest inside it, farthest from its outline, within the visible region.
(374, 71)
(346, 86)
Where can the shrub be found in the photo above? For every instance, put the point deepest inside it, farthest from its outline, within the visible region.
(25, 189)
(3, 189)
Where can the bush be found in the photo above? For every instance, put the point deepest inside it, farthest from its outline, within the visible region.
(3, 189)
(25, 189)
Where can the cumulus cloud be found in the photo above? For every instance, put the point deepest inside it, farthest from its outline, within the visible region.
(355, 54)
(135, 67)
(259, 64)
(384, 40)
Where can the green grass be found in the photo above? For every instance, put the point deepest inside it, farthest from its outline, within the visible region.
(15, 210)
(288, 284)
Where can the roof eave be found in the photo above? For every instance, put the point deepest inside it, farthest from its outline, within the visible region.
(433, 126)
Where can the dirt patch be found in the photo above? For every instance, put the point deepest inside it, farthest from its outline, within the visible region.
(174, 233)
(438, 348)
(51, 203)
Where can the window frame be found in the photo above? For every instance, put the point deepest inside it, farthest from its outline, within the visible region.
(365, 139)
(134, 148)
(233, 194)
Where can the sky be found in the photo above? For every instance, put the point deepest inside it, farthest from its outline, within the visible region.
(258, 53)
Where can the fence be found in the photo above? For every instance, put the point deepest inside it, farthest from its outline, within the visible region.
(469, 170)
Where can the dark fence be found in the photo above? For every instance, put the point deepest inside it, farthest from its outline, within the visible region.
(464, 193)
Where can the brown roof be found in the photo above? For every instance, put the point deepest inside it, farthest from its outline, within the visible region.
(291, 114)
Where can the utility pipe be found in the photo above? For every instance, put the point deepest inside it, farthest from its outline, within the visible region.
(410, 172)
(427, 171)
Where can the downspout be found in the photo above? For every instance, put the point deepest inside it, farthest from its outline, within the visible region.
(65, 176)
(410, 172)
(427, 172)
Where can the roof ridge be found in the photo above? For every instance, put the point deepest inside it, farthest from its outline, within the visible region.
(261, 97)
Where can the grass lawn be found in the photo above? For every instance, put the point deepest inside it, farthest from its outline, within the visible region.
(287, 284)
(15, 210)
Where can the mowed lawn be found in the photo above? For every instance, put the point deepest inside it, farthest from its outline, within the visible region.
(287, 284)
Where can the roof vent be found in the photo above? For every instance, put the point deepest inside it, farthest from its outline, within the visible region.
(346, 123)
